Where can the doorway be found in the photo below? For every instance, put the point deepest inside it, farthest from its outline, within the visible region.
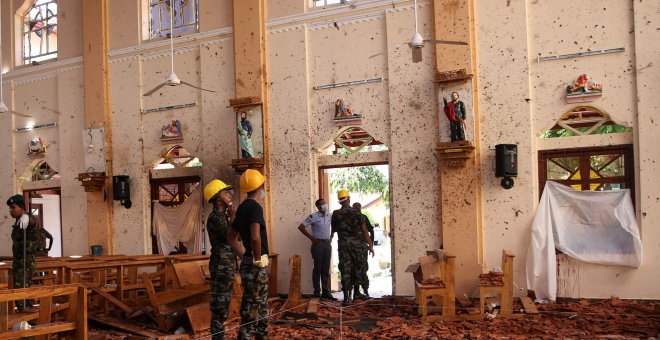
(368, 185)
(45, 205)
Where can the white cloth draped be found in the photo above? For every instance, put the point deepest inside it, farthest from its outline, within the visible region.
(182, 223)
(591, 226)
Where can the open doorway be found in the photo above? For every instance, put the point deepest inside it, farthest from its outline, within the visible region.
(368, 186)
(45, 205)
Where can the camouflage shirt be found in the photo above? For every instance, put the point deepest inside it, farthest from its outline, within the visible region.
(32, 235)
(217, 226)
(346, 222)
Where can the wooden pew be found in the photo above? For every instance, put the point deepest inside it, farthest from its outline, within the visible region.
(438, 264)
(75, 319)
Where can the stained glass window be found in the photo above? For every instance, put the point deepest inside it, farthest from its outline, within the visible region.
(40, 32)
(185, 19)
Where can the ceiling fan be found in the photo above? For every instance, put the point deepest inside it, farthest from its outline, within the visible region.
(3, 106)
(172, 79)
(416, 42)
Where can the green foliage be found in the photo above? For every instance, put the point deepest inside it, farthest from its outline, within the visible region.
(368, 214)
(605, 129)
(364, 180)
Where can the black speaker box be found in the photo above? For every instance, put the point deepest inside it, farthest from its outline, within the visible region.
(506, 160)
(121, 190)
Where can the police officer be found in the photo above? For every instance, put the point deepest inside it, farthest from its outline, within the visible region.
(364, 258)
(251, 226)
(319, 222)
(222, 263)
(24, 235)
(350, 228)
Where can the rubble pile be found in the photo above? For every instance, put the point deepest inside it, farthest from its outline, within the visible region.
(491, 279)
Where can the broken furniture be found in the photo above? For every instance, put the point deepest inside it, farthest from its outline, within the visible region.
(75, 317)
(188, 288)
(499, 283)
(434, 279)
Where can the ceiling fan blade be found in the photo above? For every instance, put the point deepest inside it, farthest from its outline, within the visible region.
(19, 114)
(416, 55)
(154, 90)
(447, 42)
(51, 110)
(191, 85)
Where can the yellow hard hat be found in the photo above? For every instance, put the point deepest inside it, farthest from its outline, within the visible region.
(251, 180)
(214, 187)
(342, 194)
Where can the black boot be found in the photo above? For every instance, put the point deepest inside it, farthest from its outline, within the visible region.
(347, 297)
(357, 294)
(366, 292)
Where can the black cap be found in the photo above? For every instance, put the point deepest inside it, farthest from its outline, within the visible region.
(19, 200)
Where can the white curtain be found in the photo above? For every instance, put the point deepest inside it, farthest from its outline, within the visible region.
(591, 226)
(182, 223)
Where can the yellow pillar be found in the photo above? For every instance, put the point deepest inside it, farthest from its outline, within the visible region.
(460, 185)
(97, 113)
(250, 71)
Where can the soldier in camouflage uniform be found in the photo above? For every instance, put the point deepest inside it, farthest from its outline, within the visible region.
(42, 236)
(351, 232)
(24, 235)
(364, 257)
(222, 263)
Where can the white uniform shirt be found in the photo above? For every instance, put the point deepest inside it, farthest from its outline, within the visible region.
(320, 225)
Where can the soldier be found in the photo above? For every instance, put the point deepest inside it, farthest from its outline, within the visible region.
(42, 236)
(251, 226)
(364, 258)
(24, 234)
(222, 263)
(350, 228)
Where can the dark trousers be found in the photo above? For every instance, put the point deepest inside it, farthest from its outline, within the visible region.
(321, 253)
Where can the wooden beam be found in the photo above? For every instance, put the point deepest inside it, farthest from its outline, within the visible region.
(37, 292)
(128, 310)
(44, 329)
(295, 266)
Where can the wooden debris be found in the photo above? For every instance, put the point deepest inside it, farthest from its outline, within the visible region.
(199, 317)
(491, 279)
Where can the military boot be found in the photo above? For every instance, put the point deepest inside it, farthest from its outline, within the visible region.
(347, 297)
(357, 294)
(366, 292)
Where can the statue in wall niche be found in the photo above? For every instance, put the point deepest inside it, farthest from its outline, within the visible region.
(342, 111)
(245, 136)
(172, 130)
(583, 85)
(36, 146)
(455, 112)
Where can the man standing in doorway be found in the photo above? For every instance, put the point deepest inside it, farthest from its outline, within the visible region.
(222, 263)
(24, 235)
(350, 228)
(319, 221)
(364, 257)
(251, 226)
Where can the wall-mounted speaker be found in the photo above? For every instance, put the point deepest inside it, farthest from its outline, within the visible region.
(121, 190)
(506, 163)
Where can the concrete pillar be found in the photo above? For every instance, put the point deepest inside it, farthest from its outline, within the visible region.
(460, 192)
(97, 113)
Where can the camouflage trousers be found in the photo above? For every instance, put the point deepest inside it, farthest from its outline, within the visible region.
(223, 268)
(364, 267)
(254, 307)
(350, 263)
(18, 274)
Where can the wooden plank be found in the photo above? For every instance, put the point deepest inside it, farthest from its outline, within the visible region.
(313, 306)
(81, 314)
(4, 316)
(189, 273)
(199, 317)
(14, 318)
(45, 329)
(528, 304)
(295, 268)
(125, 326)
(236, 297)
(45, 307)
(128, 310)
(37, 292)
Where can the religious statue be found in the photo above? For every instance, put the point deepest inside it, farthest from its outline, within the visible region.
(341, 111)
(245, 136)
(36, 146)
(172, 130)
(455, 112)
(583, 85)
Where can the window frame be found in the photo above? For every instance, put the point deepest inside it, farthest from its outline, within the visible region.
(584, 155)
(161, 34)
(22, 16)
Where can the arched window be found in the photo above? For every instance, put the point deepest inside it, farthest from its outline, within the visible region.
(354, 139)
(39, 29)
(185, 19)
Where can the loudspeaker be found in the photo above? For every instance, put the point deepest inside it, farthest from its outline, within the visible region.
(506, 160)
(121, 190)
